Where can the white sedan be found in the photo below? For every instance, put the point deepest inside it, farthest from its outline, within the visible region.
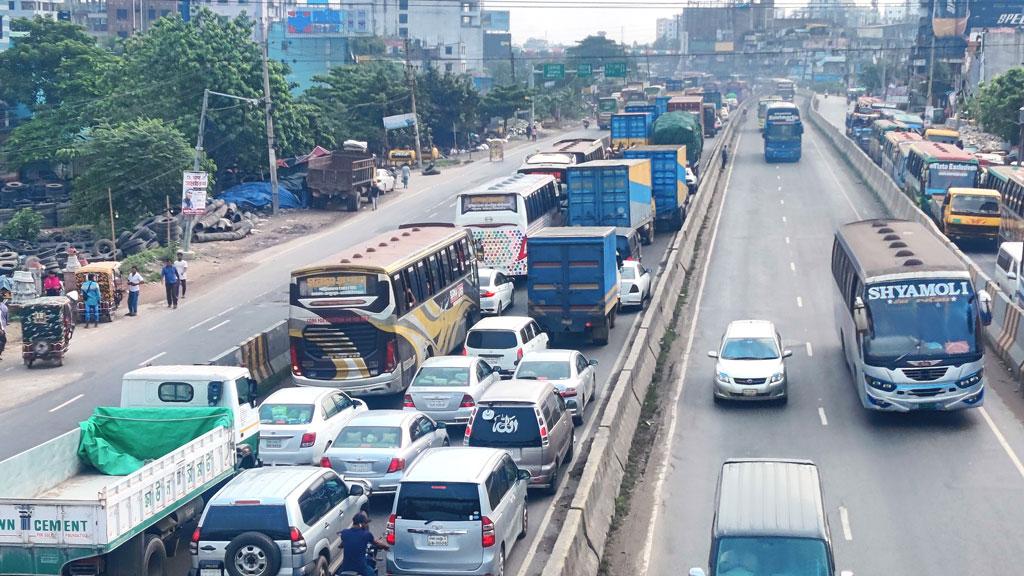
(569, 372)
(298, 424)
(384, 180)
(634, 284)
(497, 292)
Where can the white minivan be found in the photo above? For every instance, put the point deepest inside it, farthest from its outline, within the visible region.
(503, 340)
(200, 386)
(1007, 272)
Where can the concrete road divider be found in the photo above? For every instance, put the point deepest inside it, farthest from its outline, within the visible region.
(265, 354)
(580, 543)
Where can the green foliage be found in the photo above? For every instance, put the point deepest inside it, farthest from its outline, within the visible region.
(503, 101)
(448, 101)
(997, 104)
(25, 225)
(140, 161)
(597, 50)
(149, 262)
(349, 102)
(366, 46)
(870, 77)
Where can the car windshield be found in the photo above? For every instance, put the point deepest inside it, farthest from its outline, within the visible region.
(505, 426)
(627, 273)
(771, 555)
(921, 320)
(491, 339)
(438, 501)
(441, 376)
(750, 349)
(543, 370)
(369, 437)
(970, 205)
(286, 414)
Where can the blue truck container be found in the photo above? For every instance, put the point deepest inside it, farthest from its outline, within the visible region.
(668, 181)
(573, 281)
(673, 85)
(631, 129)
(612, 193)
(644, 107)
(661, 105)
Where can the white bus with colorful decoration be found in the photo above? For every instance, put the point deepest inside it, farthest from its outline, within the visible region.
(503, 213)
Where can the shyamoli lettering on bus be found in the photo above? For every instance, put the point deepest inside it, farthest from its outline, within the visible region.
(920, 290)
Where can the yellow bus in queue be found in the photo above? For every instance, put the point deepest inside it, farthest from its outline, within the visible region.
(970, 213)
(943, 136)
(1009, 182)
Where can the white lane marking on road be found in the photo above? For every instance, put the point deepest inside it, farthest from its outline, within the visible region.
(832, 173)
(1002, 441)
(212, 328)
(792, 266)
(59, 406)
(799, 302)
(844, 517)
(198, 324)
(787, 239)
(810, 351)
(783, 219)
(659, 480)
(846, 573)
(150, 359)
(781, 201)
(822, 417)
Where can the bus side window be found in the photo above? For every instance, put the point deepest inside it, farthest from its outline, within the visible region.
(412, 288)
(425, 290)
(460, 250)
(434, 271)
(402, 303)
(446, 267)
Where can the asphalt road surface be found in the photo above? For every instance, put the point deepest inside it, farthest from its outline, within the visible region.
(904, 494)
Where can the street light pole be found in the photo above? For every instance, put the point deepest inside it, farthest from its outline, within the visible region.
(1020, 139)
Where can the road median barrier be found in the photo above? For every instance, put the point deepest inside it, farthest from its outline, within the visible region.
(266, 355)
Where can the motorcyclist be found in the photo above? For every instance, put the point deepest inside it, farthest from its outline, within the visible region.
(354, 542)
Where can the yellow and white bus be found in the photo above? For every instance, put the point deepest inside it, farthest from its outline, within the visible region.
(364, 320)
(503, 213)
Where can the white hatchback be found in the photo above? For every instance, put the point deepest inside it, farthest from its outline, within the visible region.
(298, 424)
(497, 291)
(503, 341)
(634, 284)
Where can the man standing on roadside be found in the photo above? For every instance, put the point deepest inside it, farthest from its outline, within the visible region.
(170, 276)
(405, 175)
(182, 267)
(134, 283)
(91, 294)
(4, 319)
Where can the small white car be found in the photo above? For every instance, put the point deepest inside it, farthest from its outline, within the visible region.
(384, 180)
(569, 371)
(634, 284)
(446, 388)
(497, 292)
(751, 363)
(503, 341)
(691, 180)
(298, 424)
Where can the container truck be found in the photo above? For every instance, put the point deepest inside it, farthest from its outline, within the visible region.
(694, 104)
(612, 193)
(573, 281)
(710, 120)
(681, 129)
(631, 129)
(668, 181)
(340, 178)
(605, 108)
(116, 496)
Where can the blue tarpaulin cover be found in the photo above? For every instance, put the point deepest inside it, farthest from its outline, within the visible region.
(256, 196)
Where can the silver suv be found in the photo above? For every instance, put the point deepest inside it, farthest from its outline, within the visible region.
(275, 522)
(457, 511)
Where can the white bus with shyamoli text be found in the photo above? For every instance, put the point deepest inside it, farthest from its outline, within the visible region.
(910, 321)
(503, 213)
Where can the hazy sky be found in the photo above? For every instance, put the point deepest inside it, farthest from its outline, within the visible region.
(566, 25)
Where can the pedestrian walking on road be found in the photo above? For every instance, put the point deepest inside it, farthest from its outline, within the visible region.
(405, 175)
(91, 294)
(4, 319)
(134, 283)
(725, 156)
(170, 276)
(375, 192)
(182, 267)
(52, 285)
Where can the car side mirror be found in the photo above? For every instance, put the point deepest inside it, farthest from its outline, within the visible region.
(356, 490)
(440, 426)
(592, 362)
(696, 572)
(985, 307)
(358, 402)
(712, 354)
(787, 353)
(524, 475)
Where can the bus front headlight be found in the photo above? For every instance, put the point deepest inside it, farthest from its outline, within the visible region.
(879, 384)
(970, 380)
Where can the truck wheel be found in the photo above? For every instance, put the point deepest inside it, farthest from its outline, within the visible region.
(155, 557)
(252, 554)
(353, 203)
(600, 336)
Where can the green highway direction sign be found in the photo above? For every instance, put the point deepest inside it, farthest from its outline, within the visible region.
(554, 71)
(615, 70)
(584, 70)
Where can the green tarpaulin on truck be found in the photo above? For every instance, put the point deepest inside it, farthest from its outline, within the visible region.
(680, 128)
(119, 441)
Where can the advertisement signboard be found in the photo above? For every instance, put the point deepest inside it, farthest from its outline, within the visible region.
(193, 193)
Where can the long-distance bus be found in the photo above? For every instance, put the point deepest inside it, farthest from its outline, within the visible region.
(879, 128)
(563, 154)
(909, 319)
(364, 320)
(605, 108)
(785, 88)
(944, 136)
(783, 131)
(933, 168)
(762, 109)
(503, 213)
(893, 158)
(1009, 182)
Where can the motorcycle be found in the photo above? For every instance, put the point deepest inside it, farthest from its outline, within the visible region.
(372, 560)
(586, 124)
(430, 170)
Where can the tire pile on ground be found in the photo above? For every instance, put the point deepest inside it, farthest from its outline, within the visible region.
(51, 250)
(47, 198)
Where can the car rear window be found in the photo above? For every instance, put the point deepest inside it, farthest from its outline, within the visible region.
(287, 414)
(223, 523)
(438, 501)
(505, 426)
(627, 273)
(492, 339)
(369, 437)
(543, 370)
(430, 376)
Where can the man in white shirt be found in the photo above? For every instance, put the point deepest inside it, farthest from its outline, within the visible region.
(182, 267)
(134, 283)
(3, 323)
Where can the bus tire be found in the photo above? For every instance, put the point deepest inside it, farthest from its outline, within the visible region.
(154, 559)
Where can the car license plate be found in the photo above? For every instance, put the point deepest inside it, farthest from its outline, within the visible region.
(273, 442)
(750, 392)
(437, 404)
(358, 467)
(211, 572)
(437, 540)
(928, 406)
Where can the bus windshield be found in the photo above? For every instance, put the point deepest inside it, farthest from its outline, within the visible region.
(608, 105)
(921, 320)
(946, 175)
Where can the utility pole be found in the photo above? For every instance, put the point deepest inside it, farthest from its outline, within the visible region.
(931, 69)
(190, 220)
(275, 199)
(410, 78)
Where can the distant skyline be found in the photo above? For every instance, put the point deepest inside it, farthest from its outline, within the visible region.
(569, 25)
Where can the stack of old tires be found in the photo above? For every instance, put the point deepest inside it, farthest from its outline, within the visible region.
(153, 232)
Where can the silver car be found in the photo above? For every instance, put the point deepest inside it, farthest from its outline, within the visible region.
(569, 371)
(298, 424)
(750, 363)
(446, 388)
(377, 447)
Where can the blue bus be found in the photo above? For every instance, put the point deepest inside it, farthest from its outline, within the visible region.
(782, 132)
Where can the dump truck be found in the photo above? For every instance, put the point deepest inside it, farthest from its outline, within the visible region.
(340, 178)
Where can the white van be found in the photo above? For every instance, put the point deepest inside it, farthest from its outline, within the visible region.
(1007, 272)
(200, 386)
